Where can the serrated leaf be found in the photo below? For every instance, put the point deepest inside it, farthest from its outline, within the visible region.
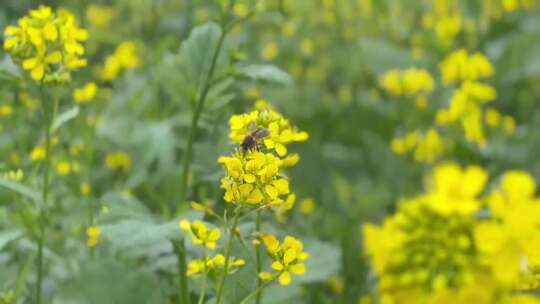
(266, 72)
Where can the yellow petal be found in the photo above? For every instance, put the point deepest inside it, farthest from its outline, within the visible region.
(277, 266)
(214, 235)
(29, 64)
(54, 57)
(265, 276)
(271, 191)
(298, 269)
(249, 178)
(281, 150)
(285, 278)
(185, 225)
(38, 71)
(290, 255)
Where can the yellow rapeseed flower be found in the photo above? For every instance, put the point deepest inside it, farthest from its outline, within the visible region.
(92, 234)
(99, 16)
(288, 258)
(270, 51)
(118, 161)
(210, 263)
(38, 153)
(201, 234)
(48, 44)
(85, 93)
(125, 57)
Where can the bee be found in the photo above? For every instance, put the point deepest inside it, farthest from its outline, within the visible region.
(253, 140)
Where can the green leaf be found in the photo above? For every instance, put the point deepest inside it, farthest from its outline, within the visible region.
(8, 236)
(109, 282)
(323, 262)
(380, 55)
(184, 73)
(21, 189)
(64, 118)
(266, 72)
(197, 51)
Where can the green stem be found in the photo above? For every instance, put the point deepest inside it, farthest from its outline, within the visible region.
(257, 291)
(47, 119)
(203, 287)
(228, 250)
(186, 161)
(183, 296)
(258, 295)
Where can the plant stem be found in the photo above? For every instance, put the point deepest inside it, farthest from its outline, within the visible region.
(258, 294)
(203, 290)
(203, 287)
(257, 291)
(228, 250)
(183, 296)
(186, 161)
(47, 119)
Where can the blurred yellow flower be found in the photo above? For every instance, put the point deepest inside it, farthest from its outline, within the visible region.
(6, 110)
(92, 234)
(125, 57)
(85, 189)
(86, 93)
(99, 16)
(201, 234)
(307, 206)
(270, 51)
(118, 161)
(63, 168)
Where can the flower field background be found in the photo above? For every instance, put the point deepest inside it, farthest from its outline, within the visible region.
(277, 151)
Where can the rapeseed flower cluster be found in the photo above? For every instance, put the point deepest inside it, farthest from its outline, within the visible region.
(86, 93)
(465, 106)
(444, 19)
(425, 147)
(201, 234)
(439, 247)
(92, 233)
(48, 44)
(215, 262)
(118, 161)
(412, 82)
(497, 8)
(205, 237)
(288, 258)
(254, 178)
(281, 131)
(125, 57)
